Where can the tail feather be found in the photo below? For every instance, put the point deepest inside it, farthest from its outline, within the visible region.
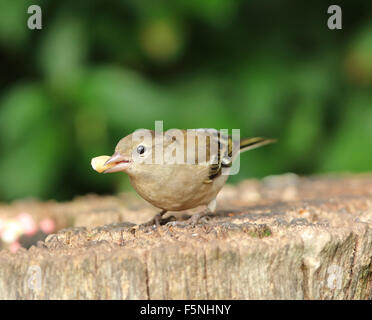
(253, 143)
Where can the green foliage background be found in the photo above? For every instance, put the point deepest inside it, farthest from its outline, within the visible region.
(100, 69)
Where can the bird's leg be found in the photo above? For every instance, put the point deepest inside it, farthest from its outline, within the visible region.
(195, 218)
(156, 220)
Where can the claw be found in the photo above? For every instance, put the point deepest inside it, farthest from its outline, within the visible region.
(157, 221)
(192, 221)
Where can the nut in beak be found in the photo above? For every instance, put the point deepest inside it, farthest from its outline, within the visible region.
(107, 164)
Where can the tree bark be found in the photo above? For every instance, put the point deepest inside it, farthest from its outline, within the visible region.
(281, 238)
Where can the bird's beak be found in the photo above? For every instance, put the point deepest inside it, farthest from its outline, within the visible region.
(117, 163)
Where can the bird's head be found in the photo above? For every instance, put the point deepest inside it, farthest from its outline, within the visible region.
(132, 150)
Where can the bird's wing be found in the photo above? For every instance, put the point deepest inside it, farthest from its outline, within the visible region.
(227, 149)
(208, 147)
(220, 154)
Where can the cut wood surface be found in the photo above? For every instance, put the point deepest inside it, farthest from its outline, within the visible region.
(283, 237)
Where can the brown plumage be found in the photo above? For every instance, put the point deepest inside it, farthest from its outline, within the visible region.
(181, 181)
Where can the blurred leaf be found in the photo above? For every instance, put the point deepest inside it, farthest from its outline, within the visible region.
(30, 168)
(198, 104)
(350, 148)
(21, 112)
(13, 22)
(91, 130)
(161, 39)
(125, 97)
(216, 12)
(63, 52)
(304, 129)
(313, 79)
(358, 63)
(262, 87)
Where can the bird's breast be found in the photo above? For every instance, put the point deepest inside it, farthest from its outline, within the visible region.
(175, 187)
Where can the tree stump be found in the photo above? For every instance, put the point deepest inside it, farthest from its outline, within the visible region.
(284, 237)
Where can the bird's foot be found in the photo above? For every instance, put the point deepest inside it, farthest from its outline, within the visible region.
(192, 221)
(157, 221)
(153, 222)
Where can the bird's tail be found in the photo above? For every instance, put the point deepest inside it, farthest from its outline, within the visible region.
(253, 143)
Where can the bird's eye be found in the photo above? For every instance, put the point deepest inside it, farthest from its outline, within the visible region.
(141, 149)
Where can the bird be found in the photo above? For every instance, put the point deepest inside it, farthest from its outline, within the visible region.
(177, 182)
